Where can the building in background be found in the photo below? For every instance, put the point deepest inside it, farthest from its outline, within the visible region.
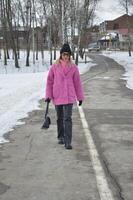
(20, 34)
(116, 33)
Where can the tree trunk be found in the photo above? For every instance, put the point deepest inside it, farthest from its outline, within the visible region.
(4, 30)
(7, 53)
(42, 53)
(54, 52)
(54, 47)
(128, 26)
(37, 41)
(78, 47)
(9, 20)
(27, 58)
(5, 58)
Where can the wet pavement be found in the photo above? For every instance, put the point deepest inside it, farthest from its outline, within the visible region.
(109, 112)
(34, 166)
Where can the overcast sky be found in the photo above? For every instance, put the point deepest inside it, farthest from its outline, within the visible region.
(108, 10)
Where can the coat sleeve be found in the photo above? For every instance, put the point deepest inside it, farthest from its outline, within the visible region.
(49, 84)
(77, 85)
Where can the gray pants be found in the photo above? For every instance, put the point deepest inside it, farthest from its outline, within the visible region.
(64, 122)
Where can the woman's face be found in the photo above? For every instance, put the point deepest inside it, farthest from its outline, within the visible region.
(65, 56)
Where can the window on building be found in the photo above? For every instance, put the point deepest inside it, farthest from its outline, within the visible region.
(115, 26)
(131, 26)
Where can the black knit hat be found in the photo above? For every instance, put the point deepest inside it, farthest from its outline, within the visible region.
(65, 48)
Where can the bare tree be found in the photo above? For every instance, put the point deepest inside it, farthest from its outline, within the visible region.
(28, 30)
(85, 13)
(51, 12)
(72, 24)
(41, 12)
(4, 28)
(16, 24)
(9, 16)
(126, 4)
(61, 17)
(25, 9)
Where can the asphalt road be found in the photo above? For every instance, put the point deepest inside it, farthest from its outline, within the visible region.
(34, 167)
(109, 112)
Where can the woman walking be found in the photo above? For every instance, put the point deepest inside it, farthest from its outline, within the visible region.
(64, 88)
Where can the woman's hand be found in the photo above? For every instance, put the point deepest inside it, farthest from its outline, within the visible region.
(80, 103)
(47, 100)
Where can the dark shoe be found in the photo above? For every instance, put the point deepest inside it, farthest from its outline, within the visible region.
(61, 141)
(68, 146)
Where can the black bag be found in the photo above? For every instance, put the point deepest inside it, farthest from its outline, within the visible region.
(47, 120)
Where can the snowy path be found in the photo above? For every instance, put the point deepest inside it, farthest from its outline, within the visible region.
(19, 94)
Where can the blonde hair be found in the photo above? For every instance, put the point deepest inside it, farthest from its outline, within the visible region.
(58, 61)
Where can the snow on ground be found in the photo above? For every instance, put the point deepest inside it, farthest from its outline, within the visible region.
(21, 89)
(127, 62)
(85, 67)
(39, 66)
(19, 94)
